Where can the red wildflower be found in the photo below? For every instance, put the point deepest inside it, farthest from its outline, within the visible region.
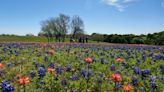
(88, 60)
(51, 52)
(24, 80)
(127, 87)
(119, 59)
(116, 77)
(51, 70)
(1, 66)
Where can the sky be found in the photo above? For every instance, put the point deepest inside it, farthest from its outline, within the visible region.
(21, 17)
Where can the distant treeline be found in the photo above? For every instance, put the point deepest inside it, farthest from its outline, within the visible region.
(155, 38)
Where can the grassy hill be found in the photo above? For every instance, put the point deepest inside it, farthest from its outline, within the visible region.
(13, 38)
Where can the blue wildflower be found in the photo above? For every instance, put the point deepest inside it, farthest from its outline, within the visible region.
(68, 68)
(36, 64)
(145, 73)
(41, 72)
(63, 82)
(112, 67)
(74, 77)
(58, 70)
(83, 72)
(100, 78)
(134, 81)
(51, 65)
(32, 74)
(42, 65)
(136, 70)
(6, 86)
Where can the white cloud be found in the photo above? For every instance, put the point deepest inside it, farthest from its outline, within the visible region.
(120, 5)
(127, 1)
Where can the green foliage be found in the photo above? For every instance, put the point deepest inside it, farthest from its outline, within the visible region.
(155, 38)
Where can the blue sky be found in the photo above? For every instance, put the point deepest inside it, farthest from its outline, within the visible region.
(101, 16)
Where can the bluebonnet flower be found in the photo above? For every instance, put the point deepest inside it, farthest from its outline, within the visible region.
(145, 73)
(157, 57)
(123, 64)
(41, 72)
(51, 64)
(137, 61)
(83, 72)
(102, 61)
(120, 54)
(36, 64)
(42, 65)
(32, 74)
(4, 49)
(6, 86)
(152, 79)
(134, 81)
(74, 77)
(100, 78)
(136, 70)
(9, 64)
(88, 74)
(68, 68)
(112, 67)
(117, 85)
(1, 73)
(152, 82)
(58, 70)
(143, 57)
(151, 54)
(162, 69)
(111, 56)
(63, 82)
(16, 53)
(153, 85)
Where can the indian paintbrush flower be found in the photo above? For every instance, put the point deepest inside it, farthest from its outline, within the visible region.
(116, 77)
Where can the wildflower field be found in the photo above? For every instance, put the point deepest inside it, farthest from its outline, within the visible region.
(73, 67)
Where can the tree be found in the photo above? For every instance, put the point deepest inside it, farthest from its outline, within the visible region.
(55, 27)
(46, 30)
(77, 26)
(64, 25)
(97, 37)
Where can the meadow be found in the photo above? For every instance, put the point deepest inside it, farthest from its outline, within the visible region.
(75, 67)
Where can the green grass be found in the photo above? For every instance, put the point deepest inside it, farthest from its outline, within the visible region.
(22, 39)
(29, 39)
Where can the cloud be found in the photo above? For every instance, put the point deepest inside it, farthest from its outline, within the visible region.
(120, 5)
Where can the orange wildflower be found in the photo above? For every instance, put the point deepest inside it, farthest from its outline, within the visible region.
(51, 52)
(1, 66)
(24, 80)
(51, 70)
(127, 87)
(88, 60)
(119, 59)
(116, 77)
